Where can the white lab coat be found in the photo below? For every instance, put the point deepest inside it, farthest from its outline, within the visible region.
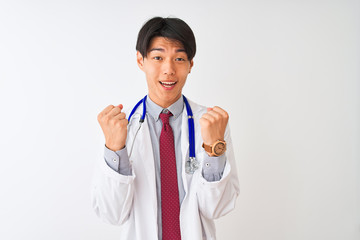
(131, 201)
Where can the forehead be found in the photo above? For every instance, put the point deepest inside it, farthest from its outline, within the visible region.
(165, 43)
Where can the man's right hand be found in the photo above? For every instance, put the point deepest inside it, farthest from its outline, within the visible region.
(113, 123)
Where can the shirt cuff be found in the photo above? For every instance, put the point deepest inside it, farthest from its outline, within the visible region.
(213, 167)
(118, 161)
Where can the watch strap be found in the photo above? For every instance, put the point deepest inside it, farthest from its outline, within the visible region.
(207, 148)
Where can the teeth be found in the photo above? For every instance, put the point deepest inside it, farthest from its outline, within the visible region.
(167, 84)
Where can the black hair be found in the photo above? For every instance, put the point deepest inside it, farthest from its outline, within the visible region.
(173, 29)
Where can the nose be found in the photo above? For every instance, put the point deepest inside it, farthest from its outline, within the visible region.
(168, 67)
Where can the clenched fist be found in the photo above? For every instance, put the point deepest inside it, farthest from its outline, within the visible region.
(113, 123)
(213, 125)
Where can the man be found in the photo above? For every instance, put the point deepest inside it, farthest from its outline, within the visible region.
(145, 184)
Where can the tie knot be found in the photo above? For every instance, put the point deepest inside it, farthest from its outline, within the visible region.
(165, 115)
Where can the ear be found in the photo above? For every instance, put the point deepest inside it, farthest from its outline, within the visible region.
(191, 64)
(140, 60)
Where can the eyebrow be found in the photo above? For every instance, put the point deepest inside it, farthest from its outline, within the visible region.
(163, 50)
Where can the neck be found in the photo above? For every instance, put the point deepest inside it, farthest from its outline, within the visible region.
(164, 103)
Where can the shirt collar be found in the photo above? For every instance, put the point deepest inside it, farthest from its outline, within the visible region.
(154, 110)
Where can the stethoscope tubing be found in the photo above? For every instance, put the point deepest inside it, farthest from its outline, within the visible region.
(190, 122)
(191, 128)
(142, 101)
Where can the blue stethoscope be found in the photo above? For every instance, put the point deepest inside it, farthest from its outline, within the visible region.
(191, 164)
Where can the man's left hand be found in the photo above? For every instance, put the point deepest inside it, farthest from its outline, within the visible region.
(213, 125)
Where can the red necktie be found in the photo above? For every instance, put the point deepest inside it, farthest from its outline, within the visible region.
(170, 205)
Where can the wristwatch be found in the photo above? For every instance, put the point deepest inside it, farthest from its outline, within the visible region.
(216, 149)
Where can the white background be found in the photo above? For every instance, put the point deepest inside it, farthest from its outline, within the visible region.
(286, 71)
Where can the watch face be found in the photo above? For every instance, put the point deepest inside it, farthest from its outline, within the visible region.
(219, 148)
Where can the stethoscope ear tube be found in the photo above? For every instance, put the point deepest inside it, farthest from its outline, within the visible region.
(191, 129)
(142, 101)
(144, 110)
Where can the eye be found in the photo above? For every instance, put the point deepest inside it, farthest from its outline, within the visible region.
(157, 58)
(179, 59)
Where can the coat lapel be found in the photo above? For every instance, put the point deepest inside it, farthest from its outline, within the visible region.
(142, 155)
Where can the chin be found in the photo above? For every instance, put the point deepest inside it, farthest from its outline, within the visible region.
(168, 98)
(172, 96)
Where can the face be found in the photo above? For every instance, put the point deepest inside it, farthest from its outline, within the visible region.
(166, 68)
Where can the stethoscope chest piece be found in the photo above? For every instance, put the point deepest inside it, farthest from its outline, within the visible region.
(191, 165)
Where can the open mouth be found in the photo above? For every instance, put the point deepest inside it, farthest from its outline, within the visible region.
(168, 84)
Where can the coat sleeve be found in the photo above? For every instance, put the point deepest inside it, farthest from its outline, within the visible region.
(217, 198)
(111, 194)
